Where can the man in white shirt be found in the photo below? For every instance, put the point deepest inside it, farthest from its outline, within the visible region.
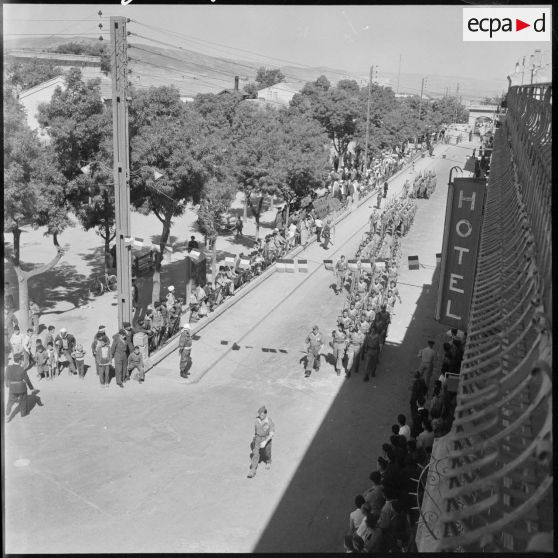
(427, 357)
(404, 428)
(319, 225)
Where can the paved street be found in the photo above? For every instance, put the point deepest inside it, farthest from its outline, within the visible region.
(161, 467)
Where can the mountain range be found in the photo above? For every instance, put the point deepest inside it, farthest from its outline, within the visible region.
(194, 72)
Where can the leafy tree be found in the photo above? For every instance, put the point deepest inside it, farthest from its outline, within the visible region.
(255, 146)
(338, 109)
(24, 75)
(172, 139)
(216, 200)
(267, 78)
(264, 78)
(86, 49)
(33, 193)
(218, 110)
(301, 158)
(81, 132)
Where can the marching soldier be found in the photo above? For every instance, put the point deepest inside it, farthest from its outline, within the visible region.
(356, 338)
(341, 268)
(339, 344)
(345, 320)
(185, 349)
(371, 354)
(314, 344)
(264, 430)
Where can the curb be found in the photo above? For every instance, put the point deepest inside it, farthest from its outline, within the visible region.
(172, 344)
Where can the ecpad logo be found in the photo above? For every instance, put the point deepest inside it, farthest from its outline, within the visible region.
(507, 24)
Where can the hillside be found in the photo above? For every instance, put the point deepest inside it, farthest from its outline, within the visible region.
(193, 72)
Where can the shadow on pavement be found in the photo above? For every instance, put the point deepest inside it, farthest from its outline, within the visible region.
(313, 513)
(62, 283)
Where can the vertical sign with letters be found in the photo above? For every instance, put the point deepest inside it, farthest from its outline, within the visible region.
(459, 253)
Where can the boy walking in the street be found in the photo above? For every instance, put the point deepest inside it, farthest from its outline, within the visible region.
(79, 356)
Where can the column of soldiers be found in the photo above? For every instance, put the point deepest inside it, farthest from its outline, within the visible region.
(423, 185)
(363, 325)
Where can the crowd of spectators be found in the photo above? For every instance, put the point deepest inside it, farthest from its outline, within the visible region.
(294, 226)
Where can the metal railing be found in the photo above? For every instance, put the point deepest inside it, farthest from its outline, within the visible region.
(497, 489)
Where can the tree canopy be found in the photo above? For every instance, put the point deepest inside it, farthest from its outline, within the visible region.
(81, 132)
(264, 78)
(33, 191)
(25, 75)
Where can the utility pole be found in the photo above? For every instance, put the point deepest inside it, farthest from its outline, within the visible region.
(421, 92)
(119, 73)
(398, 74)
(368, 119)
(456, 101)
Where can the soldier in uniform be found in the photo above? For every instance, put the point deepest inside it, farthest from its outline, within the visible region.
(185, 350)
(314, 344)
(371, 353)
(339, 344)
(17, 382)
(119, 352)
(345, 320)
(356, 338)
(341, 268)
(264, 430)
(383, 320)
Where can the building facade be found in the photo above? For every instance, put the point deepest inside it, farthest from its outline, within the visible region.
(488, 487)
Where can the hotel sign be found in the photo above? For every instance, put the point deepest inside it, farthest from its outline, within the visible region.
(464, 212)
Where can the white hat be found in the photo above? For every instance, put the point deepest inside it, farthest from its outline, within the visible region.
(171, 288)
(186, 326)
(63, 330)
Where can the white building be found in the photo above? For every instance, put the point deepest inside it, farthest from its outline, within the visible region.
(279, 94)
(43, 92)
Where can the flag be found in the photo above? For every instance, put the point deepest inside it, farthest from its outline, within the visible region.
(289, 265)
(302, 266)
(244, 263)
(328, 264)
(366, 265)
(438, 258)
(280, 265)
(229, 261)
(128, 240)
(353, 266)
(414, 262)
(138, 242)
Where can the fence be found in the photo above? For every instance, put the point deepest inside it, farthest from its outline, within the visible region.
(496, 492)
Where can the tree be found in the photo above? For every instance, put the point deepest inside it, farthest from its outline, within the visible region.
(216, 200)
(255, 146)
(267, 78)
(301, 159)
(338, 109)
(88, 50)
(218, 110)
(264, 78)
(81, 133)
(24, 75)
(33, 193)
(171, 138)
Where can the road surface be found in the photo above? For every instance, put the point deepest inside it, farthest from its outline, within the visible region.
(161, 467)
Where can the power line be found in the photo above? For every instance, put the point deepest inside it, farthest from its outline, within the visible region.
(182, 73)
(53, 34)
(175, 46)
(220, 45)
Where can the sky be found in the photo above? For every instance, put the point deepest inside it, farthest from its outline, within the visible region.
(350, 38)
